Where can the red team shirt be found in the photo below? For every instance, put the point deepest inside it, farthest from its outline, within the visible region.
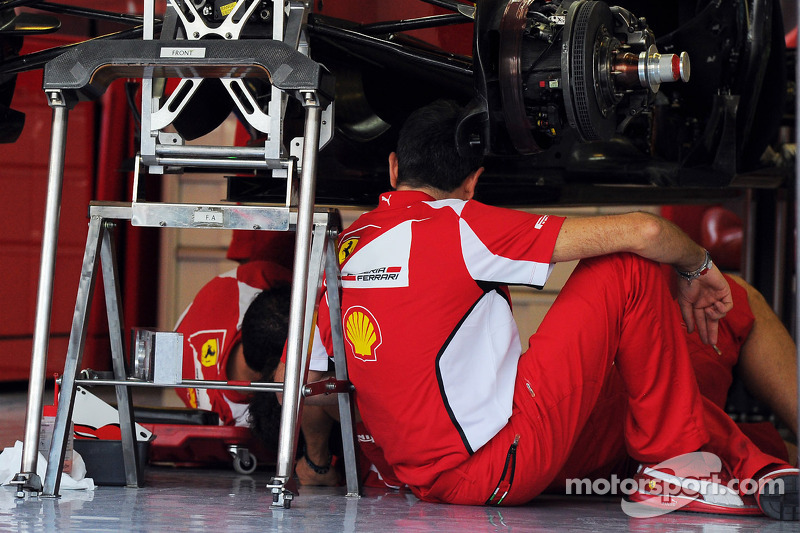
(211, 329)
(424, 296)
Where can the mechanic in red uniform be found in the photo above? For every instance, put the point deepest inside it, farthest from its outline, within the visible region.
(211, 328)
(229, 332)
(751, 338)
(434, 354)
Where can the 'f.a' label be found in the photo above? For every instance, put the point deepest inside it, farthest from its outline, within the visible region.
(172, 51)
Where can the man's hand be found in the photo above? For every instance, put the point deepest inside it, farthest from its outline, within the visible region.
(704, 301)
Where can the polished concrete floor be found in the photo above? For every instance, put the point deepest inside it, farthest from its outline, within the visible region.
(180, 499)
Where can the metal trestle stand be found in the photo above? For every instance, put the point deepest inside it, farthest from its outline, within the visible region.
(82, 73)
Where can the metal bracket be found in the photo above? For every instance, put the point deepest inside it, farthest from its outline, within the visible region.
(283, 491)
(327, 386)
(27, 481)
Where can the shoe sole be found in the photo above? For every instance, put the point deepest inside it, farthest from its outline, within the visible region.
(682, 504)
(785, 505)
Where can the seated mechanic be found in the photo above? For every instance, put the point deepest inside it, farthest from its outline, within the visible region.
(435, 357)
(751, 339)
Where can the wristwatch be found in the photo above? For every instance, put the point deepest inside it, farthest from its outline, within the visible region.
(694, 274)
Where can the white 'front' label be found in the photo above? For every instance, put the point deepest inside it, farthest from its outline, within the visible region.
(169, 51)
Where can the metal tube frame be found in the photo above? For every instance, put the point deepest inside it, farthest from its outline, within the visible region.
(77, 341)
(308, 268)
(99, 243)
(346, 408)
(100, 251)
(295, 356)
(127, 425)
(184, 384)
(27, 479)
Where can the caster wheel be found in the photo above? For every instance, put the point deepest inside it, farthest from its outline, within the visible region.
(244, 462)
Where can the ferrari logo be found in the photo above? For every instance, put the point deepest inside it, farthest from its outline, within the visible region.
(209, 353)
(346, 248)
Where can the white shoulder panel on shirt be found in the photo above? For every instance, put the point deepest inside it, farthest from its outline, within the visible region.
(484, 265)
(381, 263)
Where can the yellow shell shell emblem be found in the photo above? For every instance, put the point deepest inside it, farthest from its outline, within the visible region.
(347, 247)
(363, 333)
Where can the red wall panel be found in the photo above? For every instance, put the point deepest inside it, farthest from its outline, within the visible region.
(23, 182)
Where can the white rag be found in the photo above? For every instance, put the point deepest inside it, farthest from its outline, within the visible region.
(11, 459)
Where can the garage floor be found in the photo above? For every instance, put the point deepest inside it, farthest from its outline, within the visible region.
(175, 499)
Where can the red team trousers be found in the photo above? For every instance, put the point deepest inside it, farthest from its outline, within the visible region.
(615, 318)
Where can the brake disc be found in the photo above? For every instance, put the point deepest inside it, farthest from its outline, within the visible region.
(588, 32)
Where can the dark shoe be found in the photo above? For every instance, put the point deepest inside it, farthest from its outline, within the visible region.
(778, 493)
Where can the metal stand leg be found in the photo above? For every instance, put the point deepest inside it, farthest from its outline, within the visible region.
(100, 248)
(27, 478)
(115, 322)
(77, 340)
(283, 485)
(346, 408)
(323, 256)
(295, 358)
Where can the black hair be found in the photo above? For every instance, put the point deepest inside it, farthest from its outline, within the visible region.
(426, 148)
(265, 327)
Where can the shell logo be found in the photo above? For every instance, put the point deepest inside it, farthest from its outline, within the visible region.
(363, 333)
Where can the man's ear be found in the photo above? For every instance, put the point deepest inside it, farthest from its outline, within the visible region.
(471, 183)
(393, 170)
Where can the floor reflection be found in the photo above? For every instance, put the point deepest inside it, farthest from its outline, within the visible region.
(208, 500)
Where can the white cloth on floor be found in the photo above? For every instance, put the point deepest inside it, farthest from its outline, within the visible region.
(11, 460)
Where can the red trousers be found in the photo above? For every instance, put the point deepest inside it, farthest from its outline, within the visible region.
(614, 319)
